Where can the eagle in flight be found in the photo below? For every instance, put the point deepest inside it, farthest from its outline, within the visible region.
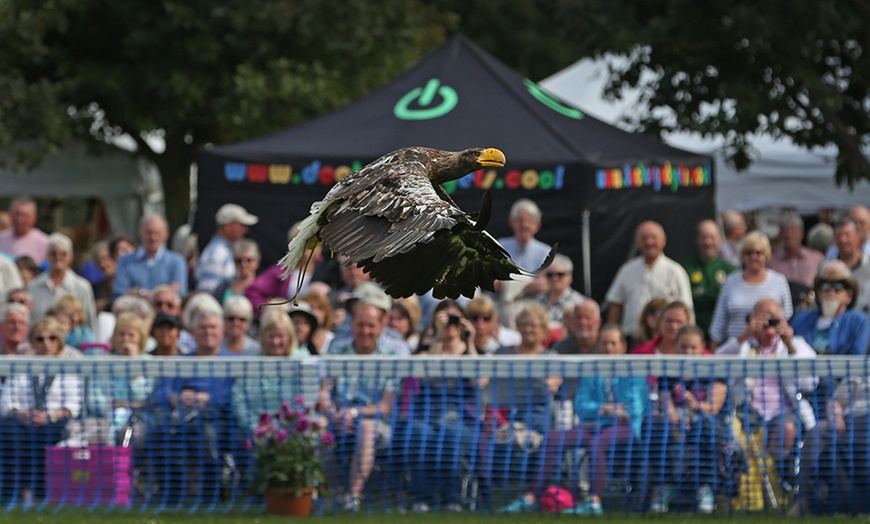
(393, 218)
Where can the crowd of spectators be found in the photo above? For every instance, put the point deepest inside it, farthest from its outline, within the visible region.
(740, 294)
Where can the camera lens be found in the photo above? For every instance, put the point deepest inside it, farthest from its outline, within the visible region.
(773, 322)
(452, 320)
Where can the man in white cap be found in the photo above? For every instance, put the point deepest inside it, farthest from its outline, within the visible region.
(216, 262)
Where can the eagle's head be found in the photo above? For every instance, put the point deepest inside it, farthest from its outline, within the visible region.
(447, 165)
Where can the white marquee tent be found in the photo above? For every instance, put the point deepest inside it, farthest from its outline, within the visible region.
(128, 187)
(783, 175)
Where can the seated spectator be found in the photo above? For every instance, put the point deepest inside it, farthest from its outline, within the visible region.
(215, 263)
(404, 318)
(650, 275)
(37, 408)
(834, 327)
(707, 271)
(489, 333)
(442, 421)
(835, 457)
(648, 323)
(194, 304)
(27, 268)
(670, 319)
(60, 280)
(271, 283)
(359, 407)
(582, 321)
(352, 276)
(448, 327)
(192, 429)
(322, 310)
(24, 238)
(238, 315)
(118, 398)
(521, 408)
(20, 296)
(129, 304)
(120, 246)
(611, 411)
(14, 326)
(151, 264)
(689, 442)
(743, 289)
(372, 294)
(246, 256)
(10, 277)
(769, 403)
(166, 330)
(164, 299)
(797, 263)
(103, 259)
(68, 311)
(305, 325)
(820, 237)
(255, 394)
(560, 276)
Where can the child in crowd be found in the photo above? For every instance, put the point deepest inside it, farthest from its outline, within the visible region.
(695, 439)
(68, 311)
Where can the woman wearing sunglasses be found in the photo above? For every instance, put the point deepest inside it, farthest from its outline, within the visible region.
(742, 289)
(37, 407)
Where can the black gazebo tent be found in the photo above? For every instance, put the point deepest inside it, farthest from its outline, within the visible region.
(595, 183)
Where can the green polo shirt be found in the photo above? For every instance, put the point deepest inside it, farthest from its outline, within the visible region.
(706, 278)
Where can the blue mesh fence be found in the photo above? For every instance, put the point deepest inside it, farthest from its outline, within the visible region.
(611, 434)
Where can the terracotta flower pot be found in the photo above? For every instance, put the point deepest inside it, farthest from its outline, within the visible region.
(285, 502)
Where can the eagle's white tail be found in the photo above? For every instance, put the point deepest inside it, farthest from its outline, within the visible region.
(306, 238)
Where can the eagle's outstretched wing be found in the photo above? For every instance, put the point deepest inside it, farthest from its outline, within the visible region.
(390, 216)
(393, 218)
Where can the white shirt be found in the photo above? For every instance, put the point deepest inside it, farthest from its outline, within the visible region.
(636, 284)
(45, 294)
(65, 391)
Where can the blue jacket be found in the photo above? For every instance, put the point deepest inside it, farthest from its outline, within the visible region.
(632, 392)
(849, 335)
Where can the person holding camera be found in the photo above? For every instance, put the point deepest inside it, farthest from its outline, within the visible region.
(442, 416)
(436, 331)
(768, 402)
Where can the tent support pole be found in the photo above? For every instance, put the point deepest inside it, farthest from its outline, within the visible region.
(587, 262)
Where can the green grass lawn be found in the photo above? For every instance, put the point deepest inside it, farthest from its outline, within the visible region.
(70, 516)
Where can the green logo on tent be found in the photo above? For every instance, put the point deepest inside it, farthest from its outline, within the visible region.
(424, 97)
(550, 101)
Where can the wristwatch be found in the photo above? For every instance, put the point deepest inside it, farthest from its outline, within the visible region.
(354, 413)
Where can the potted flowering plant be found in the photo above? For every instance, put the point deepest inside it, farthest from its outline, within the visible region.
(289, 448)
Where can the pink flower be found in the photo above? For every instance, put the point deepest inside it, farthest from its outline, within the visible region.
(303, 425)
(299, 400)
(265, 418)
(261, 430)
(249, 444)
(327, 439)
(281, 435)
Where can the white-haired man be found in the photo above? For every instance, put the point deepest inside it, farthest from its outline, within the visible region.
(60, 280)
(641, 279)
(525, 221)
(151, 264)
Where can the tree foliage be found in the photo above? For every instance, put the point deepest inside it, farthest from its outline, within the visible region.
(796, 68)
(199, 72)
(194, 71)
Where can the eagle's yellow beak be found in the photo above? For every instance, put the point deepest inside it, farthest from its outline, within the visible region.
(491, 157)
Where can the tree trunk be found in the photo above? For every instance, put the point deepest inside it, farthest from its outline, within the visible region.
(174, 165)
